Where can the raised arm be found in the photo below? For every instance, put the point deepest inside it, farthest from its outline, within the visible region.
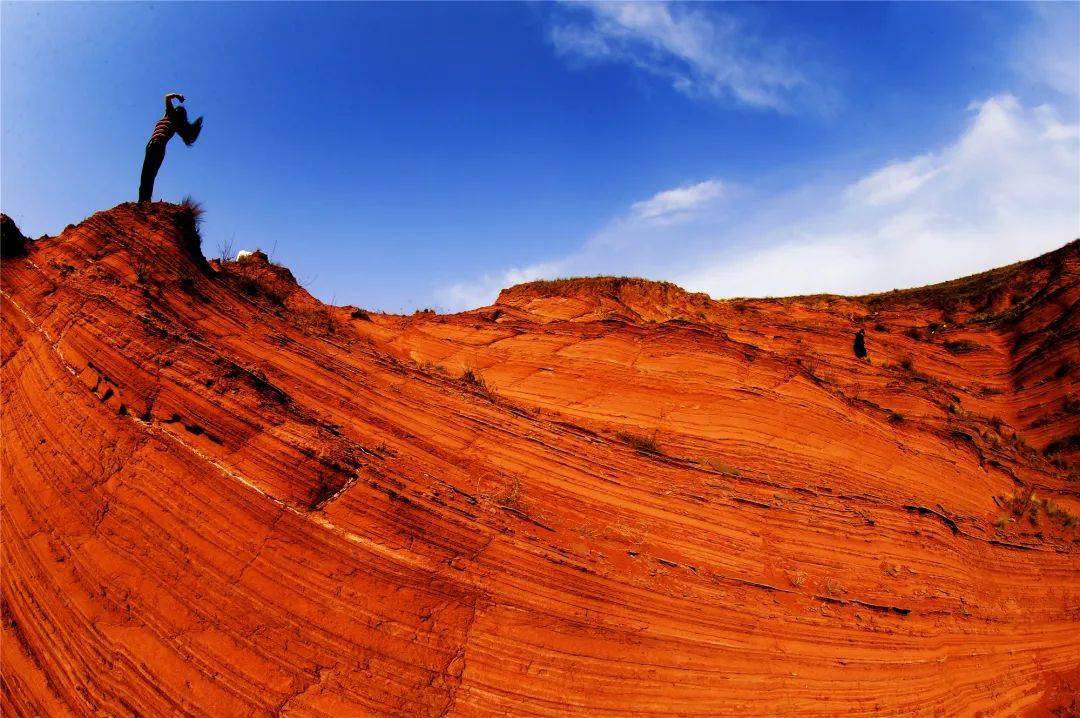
(169, 98)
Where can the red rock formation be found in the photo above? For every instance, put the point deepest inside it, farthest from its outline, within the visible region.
(221, 497)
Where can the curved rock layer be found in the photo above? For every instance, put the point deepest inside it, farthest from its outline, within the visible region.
(603, 497)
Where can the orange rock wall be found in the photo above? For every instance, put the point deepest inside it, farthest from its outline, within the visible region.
(222, 498)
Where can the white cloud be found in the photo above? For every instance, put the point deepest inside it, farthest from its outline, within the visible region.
(1006, 189)
(700, 51)
(679, 202)
(893, 182)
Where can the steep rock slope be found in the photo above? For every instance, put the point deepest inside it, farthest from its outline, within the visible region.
(605, 497)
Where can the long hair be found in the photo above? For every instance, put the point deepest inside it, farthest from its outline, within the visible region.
(188, 131)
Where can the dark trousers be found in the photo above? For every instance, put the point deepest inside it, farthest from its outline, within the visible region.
(155, 155)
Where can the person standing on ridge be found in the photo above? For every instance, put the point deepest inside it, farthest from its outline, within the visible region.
(175, 122)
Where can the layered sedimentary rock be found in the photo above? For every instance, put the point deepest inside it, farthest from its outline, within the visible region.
(603, 497)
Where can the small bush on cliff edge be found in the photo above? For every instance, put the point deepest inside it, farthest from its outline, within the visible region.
(189, 220)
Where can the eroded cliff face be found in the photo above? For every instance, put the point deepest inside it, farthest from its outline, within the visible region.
(221, 497)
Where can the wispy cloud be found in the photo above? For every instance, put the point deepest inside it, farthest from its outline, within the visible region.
(893, 182)
(701, 51)
(1006, 188)
(679, 203)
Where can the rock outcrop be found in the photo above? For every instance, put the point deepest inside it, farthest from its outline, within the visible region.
(12, 241)
(602, 497)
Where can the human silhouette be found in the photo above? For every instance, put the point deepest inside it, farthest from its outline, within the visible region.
(860, 344)
(175, 122)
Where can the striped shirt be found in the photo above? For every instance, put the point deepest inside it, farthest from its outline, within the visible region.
(163, 131)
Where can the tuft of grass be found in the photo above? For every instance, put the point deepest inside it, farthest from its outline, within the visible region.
(142, 271)
(1064, 516)
(896, 417)
(642, 444)
(194, 208)
(913, 333)
(474, 380)
(360, 314)
(907, 364)
(189, 221)
(433, 369)
(1030, 504)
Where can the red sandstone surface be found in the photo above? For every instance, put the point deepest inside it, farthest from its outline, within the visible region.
(597, 496)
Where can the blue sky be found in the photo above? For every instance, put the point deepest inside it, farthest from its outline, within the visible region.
(398, 156)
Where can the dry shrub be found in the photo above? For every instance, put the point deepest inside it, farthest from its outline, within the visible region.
(475, 381)
(1030, 504)
(642, 444)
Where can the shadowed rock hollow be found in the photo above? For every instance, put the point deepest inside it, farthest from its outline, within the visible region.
(597, 496)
